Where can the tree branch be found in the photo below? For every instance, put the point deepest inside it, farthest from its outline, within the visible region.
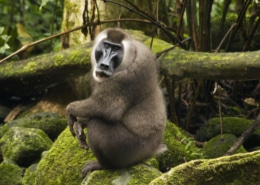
(244, 136)
(182, 64)
(25, 47)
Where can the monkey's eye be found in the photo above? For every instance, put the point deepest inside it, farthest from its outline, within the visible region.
(106, 45)
(115, 48)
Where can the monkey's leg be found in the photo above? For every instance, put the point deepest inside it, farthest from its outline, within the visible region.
(116, 147)
(91, 166)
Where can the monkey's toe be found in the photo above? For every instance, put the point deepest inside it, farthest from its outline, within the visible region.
(91, 166)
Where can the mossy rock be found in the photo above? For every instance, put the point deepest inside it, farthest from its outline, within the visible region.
(140, 174)
(181, 148)
(51, 123)
(219, 145)
(231, 125)
(11, 174)
(63, 163)
(238, 169)
(24, 145)
(29, 175)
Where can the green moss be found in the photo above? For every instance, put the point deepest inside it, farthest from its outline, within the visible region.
(181, 147)
(50, 63)
(219, 145)
(237, 170)
(104, 177)
(63, 163)
(231, 125)
(24, 145)
(29, 176)
(30, 66)
(158, 45)
(58, 59)
(10, 174)
(152, 162)
(140, 174)
(51, 123)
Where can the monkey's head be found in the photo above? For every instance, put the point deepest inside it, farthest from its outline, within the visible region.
(110, 53)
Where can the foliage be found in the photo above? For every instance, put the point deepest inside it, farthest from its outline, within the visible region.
(27, 21)
(3, 41)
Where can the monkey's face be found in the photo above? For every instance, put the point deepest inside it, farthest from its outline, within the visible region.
(108, 56)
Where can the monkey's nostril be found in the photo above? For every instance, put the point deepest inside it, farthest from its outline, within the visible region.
(104, 67)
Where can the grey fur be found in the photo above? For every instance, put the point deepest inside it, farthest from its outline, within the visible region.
(125, 112)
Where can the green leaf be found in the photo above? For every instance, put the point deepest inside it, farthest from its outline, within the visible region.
(44, 2)
(4, 48)
(2, 30)
(5, 37)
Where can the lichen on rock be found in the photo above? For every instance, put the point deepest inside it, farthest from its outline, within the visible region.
(24, 145)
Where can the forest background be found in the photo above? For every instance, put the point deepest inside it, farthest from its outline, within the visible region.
(214, 26)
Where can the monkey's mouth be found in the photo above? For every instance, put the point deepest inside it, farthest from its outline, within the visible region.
(102, 74)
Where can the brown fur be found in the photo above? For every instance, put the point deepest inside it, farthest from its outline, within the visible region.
(126, 111)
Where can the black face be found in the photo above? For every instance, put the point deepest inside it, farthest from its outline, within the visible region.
(108, 56)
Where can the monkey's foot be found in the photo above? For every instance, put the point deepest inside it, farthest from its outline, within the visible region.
(90, 167)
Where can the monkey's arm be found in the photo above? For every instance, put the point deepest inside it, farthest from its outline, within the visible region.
(108, 108)
(111, 109)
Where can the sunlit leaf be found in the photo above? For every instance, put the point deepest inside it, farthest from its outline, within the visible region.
(44, 2)
(5, 37)
(23, 34)
(2, 30)
(4, 48)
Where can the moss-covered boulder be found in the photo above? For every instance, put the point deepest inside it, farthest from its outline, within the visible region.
(219, 145)
(231, 125)
(140, 174)
(24, 145)
(237, 169)
(181, 148)
(50, 123)
(30, 175)
(63, 163)
(10, 174)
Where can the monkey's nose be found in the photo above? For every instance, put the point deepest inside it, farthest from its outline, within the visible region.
(104, 67)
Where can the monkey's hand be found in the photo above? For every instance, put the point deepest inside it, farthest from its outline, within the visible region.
(81, 135)
(79, 132)
(71, 120)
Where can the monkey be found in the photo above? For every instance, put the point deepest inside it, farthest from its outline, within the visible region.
(125, 114)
